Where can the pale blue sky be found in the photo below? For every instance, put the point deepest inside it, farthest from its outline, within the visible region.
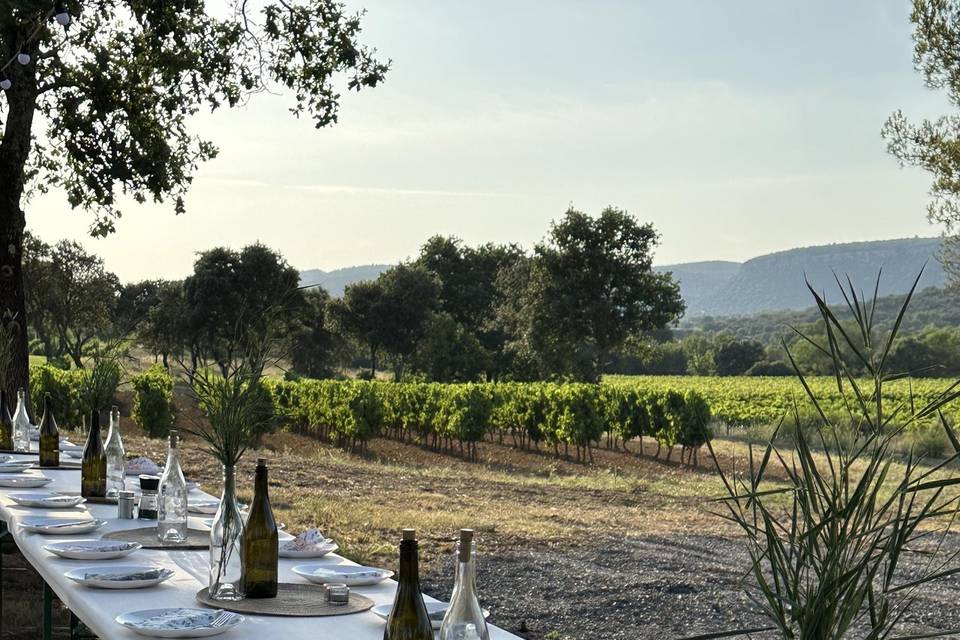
(736, 127)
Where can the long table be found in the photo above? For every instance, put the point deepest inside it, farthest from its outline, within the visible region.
(98, 608)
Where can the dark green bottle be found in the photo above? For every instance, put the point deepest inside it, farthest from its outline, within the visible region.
(49, 436)
(260, 550)
(93, 470)
(409, 619)
(6, 424)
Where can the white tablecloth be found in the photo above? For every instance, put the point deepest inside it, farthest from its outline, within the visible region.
(98, 608)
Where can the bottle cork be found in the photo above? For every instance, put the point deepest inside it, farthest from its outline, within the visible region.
(409, 534)
(466, 544)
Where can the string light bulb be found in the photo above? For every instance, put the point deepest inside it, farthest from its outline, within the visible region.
(5, 82)
(24, 56)
(63, 18)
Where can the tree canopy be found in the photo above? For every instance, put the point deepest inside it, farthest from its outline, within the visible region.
(101, 111)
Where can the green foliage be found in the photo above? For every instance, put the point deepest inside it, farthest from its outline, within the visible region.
(153, 401)
(828, 564)
(70, 297)
(561, 414)
(64, 387)
(587, 288)
(449, 352)
(735, 358)
(231, 294)
(390, 314)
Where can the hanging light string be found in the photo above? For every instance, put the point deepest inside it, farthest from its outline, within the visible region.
(59, 12)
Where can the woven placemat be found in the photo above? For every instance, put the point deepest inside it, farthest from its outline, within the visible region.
(301, 600)
(147, 536)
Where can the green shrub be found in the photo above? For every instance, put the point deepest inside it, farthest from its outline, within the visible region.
(153, 401)
(64, 387)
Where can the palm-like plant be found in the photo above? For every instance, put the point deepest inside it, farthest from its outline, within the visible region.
(827, 540)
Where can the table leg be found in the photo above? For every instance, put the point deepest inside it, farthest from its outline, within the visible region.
(47, 612)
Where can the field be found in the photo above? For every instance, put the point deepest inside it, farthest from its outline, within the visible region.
(623, 547)
(743, 400)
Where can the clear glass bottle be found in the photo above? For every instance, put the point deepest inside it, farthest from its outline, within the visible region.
(21, 424)
(226, 543)
(172, 498)
(464, 617)
(116, 457)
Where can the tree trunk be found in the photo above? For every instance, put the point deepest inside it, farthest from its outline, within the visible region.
(14, 152)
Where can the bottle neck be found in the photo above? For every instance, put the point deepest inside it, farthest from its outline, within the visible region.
(467, 577)
(260, 484)
(229, 481)
(409, 564)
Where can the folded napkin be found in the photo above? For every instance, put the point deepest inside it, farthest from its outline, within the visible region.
(309, 539)
(102, 548)
(152, 574)
(181, 619)
(142, 465)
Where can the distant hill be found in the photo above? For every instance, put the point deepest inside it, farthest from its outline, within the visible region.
(775, 282)
(337, 280)
(932, 307)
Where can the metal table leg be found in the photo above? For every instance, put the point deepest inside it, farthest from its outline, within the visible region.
(47, 612)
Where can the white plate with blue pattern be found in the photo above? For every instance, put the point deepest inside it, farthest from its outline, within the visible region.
(180, 622)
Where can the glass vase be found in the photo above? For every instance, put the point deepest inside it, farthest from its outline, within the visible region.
(226, 543)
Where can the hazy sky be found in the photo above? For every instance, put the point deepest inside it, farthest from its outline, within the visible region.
(736, 127)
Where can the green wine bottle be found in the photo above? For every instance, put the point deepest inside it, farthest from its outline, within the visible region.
(49, 436)
(6, 423)
(93, 469)
(260, 542)
(409, 619)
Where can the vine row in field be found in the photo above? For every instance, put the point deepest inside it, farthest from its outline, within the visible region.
(739, 400)
(526, 414)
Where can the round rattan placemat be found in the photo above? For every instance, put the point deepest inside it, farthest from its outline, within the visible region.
(147, 536)
(302, 600)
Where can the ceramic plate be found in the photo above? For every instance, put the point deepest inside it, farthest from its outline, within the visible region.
(342, 574)
(192, 486)
(179, 623)
(132, 576)
(14, 467)
(46, 500)
(312, 551)
(6, 458)
(208, 507)
(76, 455)
(60, 526)
(92, 549)
(436, 610)
(24, 482)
